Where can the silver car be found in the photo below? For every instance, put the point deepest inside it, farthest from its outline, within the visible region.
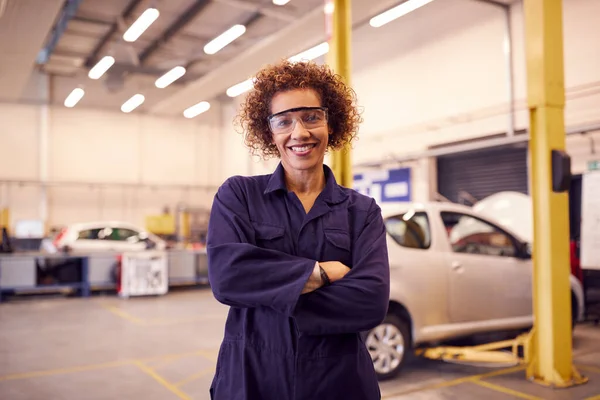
(454, 273)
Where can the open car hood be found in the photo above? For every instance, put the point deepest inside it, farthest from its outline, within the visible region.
(510, 209)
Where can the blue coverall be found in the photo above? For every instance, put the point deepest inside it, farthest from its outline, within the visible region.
(262, 247)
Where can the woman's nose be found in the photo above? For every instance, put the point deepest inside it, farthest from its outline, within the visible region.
(299, 130)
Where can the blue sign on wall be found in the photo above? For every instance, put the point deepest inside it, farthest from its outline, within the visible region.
(385, 186)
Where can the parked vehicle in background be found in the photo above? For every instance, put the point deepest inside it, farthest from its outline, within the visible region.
(104, 236)
(454, 273)
(514, 210)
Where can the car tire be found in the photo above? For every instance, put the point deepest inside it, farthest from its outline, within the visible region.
(389, 346)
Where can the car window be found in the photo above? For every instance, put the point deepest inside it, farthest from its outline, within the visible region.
(471, 235)
(410, 230)
(124, 234)
(89, 234)
(119, 234)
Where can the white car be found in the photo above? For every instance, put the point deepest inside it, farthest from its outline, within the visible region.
(454, 273)
(105, 236)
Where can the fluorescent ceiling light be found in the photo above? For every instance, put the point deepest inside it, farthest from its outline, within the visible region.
(397, 12)
(101, 67)
(312, 53)
(240, 88)
(170, 77)
(74, 97)
(197, 109)
(134, 102)
(224, 39)
(280, 2)
(329, 7)
(140, 25)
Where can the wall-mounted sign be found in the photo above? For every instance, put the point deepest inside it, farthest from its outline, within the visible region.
(385, 186)
(590, 220)
(594, 165)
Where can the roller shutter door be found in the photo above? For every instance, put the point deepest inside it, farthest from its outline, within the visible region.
(482, 173)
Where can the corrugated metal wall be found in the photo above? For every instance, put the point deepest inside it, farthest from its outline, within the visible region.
(482, 173)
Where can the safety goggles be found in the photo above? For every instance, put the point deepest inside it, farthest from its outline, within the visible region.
(309, 117)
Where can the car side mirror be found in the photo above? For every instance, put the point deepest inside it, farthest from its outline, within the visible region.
(525, 250)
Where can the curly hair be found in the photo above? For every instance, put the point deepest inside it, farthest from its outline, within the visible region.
(343, 116)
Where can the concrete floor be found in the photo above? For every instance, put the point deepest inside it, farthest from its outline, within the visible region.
(166, 348)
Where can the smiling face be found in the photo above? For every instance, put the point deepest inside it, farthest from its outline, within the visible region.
(304, 147)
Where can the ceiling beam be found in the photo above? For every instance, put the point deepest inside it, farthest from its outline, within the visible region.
(252, 19)
(495, 3)
(91, 60)
(68, 12)
(89, 20)
(185, 18)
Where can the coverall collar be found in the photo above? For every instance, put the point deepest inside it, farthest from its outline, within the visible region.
(332, 193)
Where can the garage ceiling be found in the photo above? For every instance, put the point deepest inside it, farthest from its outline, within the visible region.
(78, 33)
(22, 34)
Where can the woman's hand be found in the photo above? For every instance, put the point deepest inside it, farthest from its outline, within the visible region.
(335, 270)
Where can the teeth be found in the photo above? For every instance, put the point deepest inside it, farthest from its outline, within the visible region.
(302, 148)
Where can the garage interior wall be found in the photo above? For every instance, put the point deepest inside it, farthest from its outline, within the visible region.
(433, 80)
(174, 159)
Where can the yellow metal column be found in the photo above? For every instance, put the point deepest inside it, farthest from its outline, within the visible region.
(338, 58)
(550, 351)
(4, 218)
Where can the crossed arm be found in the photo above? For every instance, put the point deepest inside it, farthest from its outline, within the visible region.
(244, 275)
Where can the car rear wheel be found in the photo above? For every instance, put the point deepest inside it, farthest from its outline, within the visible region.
(389, 345)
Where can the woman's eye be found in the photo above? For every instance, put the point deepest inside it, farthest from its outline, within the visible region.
(282, 122)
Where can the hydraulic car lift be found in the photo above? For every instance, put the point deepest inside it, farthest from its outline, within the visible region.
(497, 354)
(547, 349)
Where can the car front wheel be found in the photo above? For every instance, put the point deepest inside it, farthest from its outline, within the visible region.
(388, 344)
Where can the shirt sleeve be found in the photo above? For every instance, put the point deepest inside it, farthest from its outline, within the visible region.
(242, 274)
(359, 301)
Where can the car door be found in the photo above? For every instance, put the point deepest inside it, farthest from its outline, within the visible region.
(88, 240)
(417, 271)
(488, 278)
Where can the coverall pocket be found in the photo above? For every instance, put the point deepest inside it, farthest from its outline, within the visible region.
(338, 246)
(269, 236)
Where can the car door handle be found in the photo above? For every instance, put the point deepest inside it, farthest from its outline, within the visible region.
(456, 266)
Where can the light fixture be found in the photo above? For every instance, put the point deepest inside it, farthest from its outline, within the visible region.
(196, 109)
(224, 39)
(280, 2)
(140, 25)
(134, 102)
(240, 88)
(101, 67)
(329, 7)
(170, 77)
(397, 12)
(74, 97)
(312, 53)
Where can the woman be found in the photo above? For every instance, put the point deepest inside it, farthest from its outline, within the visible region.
(301, 261)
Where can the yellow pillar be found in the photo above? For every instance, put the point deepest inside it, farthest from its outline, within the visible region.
(550, 351)
(339, 56)
(4, 218)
